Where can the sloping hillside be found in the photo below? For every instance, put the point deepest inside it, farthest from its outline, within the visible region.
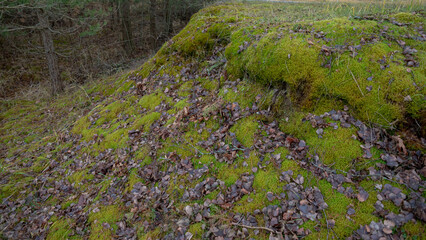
(279, 121)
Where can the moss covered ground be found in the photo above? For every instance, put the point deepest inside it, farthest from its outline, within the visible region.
(126, 156)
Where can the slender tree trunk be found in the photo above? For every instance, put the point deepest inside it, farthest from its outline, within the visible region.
(169, 18)
(49, 49)
(152, 22)
(126, 31)
(113, 9)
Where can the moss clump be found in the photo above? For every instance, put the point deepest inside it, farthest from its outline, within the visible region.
(203, 160)
(200, 36)
(230, 173)
(185, 89)
(40, 164)
(414, 230)
(60, 229)
(146, 121)
(143, 154)
(152, 100)
(196, 230)
(113, 140)
(405, 17)
(108, 214)
(296, 62)
(154, 234)
(78, 178)
(178, 106)
(112, 110)
(81, 124)
(133, 179)
(245, 129)
(336, 147)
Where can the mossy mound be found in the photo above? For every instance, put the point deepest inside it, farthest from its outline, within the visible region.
(219, 126)
(344, 61)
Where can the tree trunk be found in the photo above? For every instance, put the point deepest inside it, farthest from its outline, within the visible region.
(49, 49)
(152, 22)
(169, 18)
(126, 31)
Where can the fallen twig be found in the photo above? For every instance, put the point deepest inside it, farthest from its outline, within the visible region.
(280, 236)
(356, 82)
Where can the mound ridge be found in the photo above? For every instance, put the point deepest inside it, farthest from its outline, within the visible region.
(241, 126)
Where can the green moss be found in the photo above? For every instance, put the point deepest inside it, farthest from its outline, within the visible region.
(113, 140)
(133, 179)
(336, 147)
(107, 214)
(203, 160)
(78, 178)
(154, 234)
(267, 181)
(111, 111)
(200, 36)
(152, 100)
(196, 230)
(68, 203)
(185, 89)
(245, 129)
(294, 61)
(40, 164)
(178, 106)
(414, 230)
(405, 17)
(143, 154)
(182, 150)
(81, 125)
(146, 121)
(230, 173)
(126, 86)
(209, 84)
(60, 229)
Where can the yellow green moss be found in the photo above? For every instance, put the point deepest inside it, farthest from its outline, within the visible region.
(154, 234)
(245, 129)
(107, 214)
(185, 89)
(196, 230)
(152, 100)
(145, 122)
(294, 62)
(133, 179)
(336, 147)
(414, 230)
(60, 229)
(405, 17)
(78, 178)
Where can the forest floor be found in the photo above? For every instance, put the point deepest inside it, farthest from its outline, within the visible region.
(260, 120)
